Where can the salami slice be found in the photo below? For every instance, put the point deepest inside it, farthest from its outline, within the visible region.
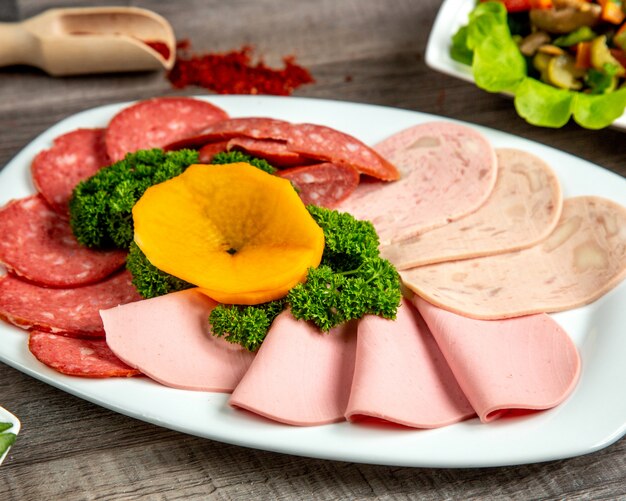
(154, 123)
(324, 184)
(276, 153)
(73, 312)
(37, 243)
(316, 142)
(208, 151)
(73, 157)
(77, 357)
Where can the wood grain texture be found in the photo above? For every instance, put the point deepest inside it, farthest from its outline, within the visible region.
(358, 50)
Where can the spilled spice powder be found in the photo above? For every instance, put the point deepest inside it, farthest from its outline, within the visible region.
(234, 72)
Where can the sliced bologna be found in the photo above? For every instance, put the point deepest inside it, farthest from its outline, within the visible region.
(73, 312)
(73, 157)
(37, 244)
(323, 184)
(523, 208)
(526, 363)
(582, 259)
(316, 142)
(154, 123)
(168, 339)
(447, 172)
(401, 376)
(300, 376)
(77, 357)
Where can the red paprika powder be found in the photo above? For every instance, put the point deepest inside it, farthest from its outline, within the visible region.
(234, 73)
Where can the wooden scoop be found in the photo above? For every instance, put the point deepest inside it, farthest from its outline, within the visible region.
(77, 41)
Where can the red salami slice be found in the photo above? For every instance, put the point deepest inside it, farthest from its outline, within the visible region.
(329, 144)
(208, 151)
(275, 152)
(157, 122)
(324, 184)
(308, 140)
(77, 357)
(37, 244)
(74, 312)
(73, 157)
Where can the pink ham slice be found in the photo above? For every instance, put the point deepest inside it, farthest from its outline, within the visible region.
(521, 363)
(73, 312)
(156, 122)
(37, 244)
(582, 259)
(401, 376)
(447, 172)
(77, 357)
(73, 157)
(168, 339)
(523, 209)
(300, 375)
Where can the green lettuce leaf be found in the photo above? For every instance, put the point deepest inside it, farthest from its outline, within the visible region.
(459, 50)
(541, 104)
(596, 111)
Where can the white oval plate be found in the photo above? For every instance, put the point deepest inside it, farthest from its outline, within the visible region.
(451, 16)
(7, 417)
(593, 417)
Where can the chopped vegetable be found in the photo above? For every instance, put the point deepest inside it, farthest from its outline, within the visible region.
(148, 279)
(241, 235)
(587, 87)
(100, 207)
(6, 439)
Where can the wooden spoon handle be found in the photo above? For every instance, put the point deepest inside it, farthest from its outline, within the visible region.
(17, 45)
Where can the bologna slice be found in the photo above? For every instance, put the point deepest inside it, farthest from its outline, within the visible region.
(77, 357)
(447, 172)
(168, 339)
(37, 244)
(154, 123)
(524, 207)
(73, 157)
(401, 376)
(526, 363)
(582, 259)
(316, 142)
(323, 184)
(300, 376)
(73, 312)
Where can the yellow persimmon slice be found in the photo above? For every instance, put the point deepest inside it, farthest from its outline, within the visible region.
(243, 236)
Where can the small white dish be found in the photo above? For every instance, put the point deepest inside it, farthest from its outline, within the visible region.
(7, 417)
(452, 15)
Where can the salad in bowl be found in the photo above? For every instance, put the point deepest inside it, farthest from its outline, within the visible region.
(561, 59)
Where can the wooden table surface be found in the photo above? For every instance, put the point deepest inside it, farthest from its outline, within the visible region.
(366, 51)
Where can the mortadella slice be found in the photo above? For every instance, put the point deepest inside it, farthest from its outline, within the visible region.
(447, 172)
(526, 363)
(300, 376)
(401, 376)
(582, 259)
(168, 339)
(523, 209)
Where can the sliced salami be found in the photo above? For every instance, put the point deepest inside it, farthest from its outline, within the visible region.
(73, 312)
(208, 151)
(77, 357)
(37, 243)
(73, 157)
(154, 123)
(324, 184)
(275, 152)
(316, 142)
